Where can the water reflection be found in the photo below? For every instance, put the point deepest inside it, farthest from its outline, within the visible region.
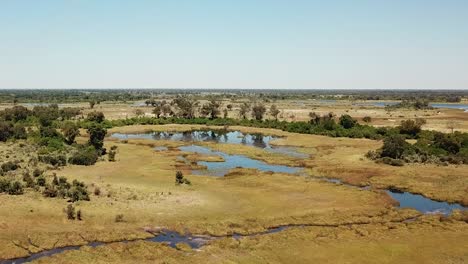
(232, 137)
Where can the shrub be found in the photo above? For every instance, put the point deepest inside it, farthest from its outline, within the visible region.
(78, 192)
(112, 153)
(10, 166)
(16, 188)
(180, 179)
(50, 191)
(394, 147)
(41, 181)
(411, 127)
(347, 122)
(4, 185)
(28, 180)
(367, 119)
(55, 160)
(70, 211)
(84, 156)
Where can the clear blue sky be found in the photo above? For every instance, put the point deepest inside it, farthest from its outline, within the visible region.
(234, 44)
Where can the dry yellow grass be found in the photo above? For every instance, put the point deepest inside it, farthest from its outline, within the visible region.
(427, 242)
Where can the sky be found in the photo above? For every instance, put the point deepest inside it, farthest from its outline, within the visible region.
(358, 44)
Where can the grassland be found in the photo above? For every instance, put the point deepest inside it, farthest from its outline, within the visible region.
(360, 226)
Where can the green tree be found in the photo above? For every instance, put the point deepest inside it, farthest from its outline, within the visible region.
(97, 133)
(347, 122)
(96, 116)
(394, 147)
(70, 132)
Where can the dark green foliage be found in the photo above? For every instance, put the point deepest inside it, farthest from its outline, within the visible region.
(84, 156)
(60, 187)
(46, 115)
(69, 112)
(411, 127)
(53, 159)
(15, 188)
(19, 131)
(41, 181)
(95, 116)
(347, 122)
(394, 147)
(97, 133)
(78, 192)
(10, 166)
(448, 142)
(4, 185)
(6, 131)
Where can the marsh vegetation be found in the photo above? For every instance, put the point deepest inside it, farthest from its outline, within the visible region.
(80, 174)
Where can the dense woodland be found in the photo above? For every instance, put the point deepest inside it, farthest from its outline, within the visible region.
(126, 95)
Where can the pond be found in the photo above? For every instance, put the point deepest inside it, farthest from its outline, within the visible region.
(418, 202)
(423, 204)
(231, 137)
(233, 161)
(450, 106)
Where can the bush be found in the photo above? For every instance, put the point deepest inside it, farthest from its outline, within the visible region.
(4, 185)
(394, 147)
(347, 122)
(85, 156)
(41, 181)
(16, 188)
(70, 211)
(10, 166)
(78, 192)
(50, 191)
(180, 179)
(112, 153)
(55, 160)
